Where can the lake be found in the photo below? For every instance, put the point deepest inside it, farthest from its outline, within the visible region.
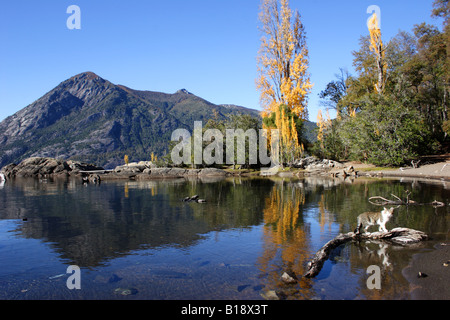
(138, 240)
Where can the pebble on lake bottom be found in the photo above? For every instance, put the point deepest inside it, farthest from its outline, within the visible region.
(126, 291)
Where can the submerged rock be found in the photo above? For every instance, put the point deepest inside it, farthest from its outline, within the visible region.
(422, 275)
(195, 198)
(126, 291)
(289, 279)
(270, 295)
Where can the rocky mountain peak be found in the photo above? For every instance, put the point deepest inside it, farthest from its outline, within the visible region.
(88, 75)
(86, 86)
(184, 91)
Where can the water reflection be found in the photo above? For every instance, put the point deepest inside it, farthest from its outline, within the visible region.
(299, 213)
(287, 220)
(88, 224)
(286, 236)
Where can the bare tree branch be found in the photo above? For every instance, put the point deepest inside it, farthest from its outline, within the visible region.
(380, 201)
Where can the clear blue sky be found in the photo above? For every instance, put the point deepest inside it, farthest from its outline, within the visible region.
(208, 47)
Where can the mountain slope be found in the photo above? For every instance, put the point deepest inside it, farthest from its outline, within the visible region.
(84, 116)
(91, 119)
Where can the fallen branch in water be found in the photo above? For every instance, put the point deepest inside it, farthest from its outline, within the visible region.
(402, 236)
(380, 201)
(316, 264)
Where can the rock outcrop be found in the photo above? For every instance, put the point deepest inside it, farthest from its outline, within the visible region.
(144, 170)
(156, 173)
(41, 167)
(314, 163)
(49, 167)
(135, 167)
(314, 166)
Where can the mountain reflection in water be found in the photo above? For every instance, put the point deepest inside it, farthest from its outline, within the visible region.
(241, 241)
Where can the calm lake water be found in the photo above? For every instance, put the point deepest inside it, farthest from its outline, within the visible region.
(138, 240)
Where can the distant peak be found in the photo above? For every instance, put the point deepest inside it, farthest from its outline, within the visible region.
(183, 91)
(89, 75)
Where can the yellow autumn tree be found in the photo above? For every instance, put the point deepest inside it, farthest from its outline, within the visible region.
(283, 78)
(376, 45)
(321, 127)
(323, 124)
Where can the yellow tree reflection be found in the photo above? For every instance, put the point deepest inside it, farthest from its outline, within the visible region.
(324, 215)
(285, 235)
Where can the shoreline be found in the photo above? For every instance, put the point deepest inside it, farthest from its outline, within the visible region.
(49, 167)
(436, 171)
(434, 266)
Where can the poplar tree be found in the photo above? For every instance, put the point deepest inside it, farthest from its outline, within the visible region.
(376, 46)
(283, 78)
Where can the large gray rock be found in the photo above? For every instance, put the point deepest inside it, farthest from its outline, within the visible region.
(168, 172)
(36, 166)
(135, 167)
(314, 163)
(212, 172)
(156, 173)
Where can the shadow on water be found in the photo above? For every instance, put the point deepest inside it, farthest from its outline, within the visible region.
(140, 235)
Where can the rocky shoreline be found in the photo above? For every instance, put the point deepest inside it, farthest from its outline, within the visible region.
(37, 167)
(45, 167)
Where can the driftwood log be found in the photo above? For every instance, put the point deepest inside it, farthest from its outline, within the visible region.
(380, 201)
(402, 236)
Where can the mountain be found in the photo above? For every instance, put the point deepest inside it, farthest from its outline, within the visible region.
(91, 119)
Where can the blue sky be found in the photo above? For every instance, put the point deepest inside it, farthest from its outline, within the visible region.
(208, 47)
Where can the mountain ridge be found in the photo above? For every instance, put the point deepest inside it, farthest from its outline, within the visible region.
(90, 119)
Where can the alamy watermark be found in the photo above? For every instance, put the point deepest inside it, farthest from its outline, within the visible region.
(190, 150)
(74, 20)
(74, 281)
(371, 10)
(374, 280)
